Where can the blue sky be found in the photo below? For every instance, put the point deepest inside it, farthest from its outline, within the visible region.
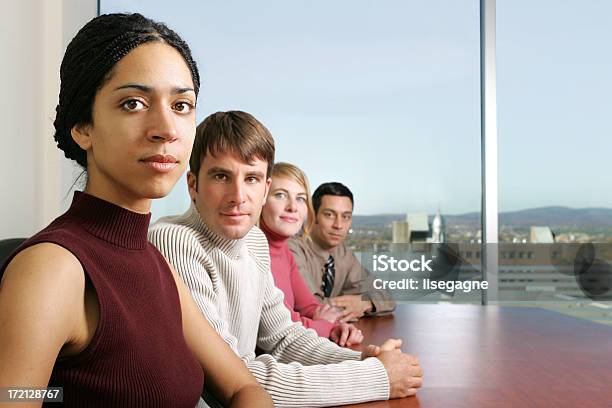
(384, 96)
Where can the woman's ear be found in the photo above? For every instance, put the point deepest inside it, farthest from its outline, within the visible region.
(81, 135)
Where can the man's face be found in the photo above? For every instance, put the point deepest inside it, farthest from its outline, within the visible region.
(332, 221)
(229, 193)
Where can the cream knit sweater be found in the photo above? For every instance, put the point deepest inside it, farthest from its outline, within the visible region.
(231, 282)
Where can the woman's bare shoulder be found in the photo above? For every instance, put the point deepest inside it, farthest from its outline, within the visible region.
(45, 262)
(41, 279)
(41, 295)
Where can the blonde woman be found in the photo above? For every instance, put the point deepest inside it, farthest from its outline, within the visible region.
(284, 213)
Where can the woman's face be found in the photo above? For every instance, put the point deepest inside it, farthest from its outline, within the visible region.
(143, 128)
(286, 207)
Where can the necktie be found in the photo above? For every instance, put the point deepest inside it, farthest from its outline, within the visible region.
(328, 277)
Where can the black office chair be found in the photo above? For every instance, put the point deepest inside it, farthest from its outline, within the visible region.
(7, 246)
(594, 274)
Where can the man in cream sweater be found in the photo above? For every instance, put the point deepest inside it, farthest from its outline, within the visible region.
(224, 260)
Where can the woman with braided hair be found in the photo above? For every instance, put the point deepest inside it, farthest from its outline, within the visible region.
(87, 303)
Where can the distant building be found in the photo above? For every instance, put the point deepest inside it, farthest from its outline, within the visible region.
(401, 232)
(528, 271)
(417, 229)
(541, 235)
(438, 228)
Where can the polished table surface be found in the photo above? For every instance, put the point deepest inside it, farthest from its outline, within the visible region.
(493, 356)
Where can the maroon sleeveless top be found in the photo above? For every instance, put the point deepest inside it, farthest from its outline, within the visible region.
(138, 356)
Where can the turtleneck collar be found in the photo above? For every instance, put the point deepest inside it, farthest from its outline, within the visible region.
(230, 247)
(274, 239)
(110, 222)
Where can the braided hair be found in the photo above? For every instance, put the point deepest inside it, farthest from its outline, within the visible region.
(88, 64)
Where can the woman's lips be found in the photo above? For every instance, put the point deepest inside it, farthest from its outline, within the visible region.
(162, 163)
(161, 167)
(291, 220)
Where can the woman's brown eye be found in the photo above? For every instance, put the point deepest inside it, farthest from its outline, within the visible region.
(132, 105)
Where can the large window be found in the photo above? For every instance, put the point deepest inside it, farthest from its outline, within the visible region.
(554, 105)
(383, 97)
(554, 87)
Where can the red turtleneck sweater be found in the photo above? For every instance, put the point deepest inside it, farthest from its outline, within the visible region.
(298, 298)
(138, 356)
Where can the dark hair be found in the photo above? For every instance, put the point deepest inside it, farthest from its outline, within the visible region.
(88, 64)
(233, 131)
(335, 189)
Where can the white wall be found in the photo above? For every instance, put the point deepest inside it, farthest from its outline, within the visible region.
(34, 177)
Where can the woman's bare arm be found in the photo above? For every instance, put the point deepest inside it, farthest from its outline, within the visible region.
(41, 307)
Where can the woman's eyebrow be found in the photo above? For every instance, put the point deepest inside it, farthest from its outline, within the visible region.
(149, 89)
(140, 87)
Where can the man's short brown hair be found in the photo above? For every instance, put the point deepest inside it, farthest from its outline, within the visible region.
(232, 131)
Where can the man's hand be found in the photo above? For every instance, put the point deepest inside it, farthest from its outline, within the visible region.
(345, 334)
(374, 351)
(354, 307)
(326, 312)
(404, 371)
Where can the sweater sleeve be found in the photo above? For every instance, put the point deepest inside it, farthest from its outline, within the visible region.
(322, 327)
(301, 369)
(190, 264)
(305, 302)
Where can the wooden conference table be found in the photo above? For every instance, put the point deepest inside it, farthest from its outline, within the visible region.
(493, 356)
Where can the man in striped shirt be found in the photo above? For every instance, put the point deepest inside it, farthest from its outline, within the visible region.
(224, 260)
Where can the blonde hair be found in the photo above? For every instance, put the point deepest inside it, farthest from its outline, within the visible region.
(294, 173)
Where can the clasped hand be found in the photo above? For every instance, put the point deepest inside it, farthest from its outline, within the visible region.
(404, 371)
(353, 306)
